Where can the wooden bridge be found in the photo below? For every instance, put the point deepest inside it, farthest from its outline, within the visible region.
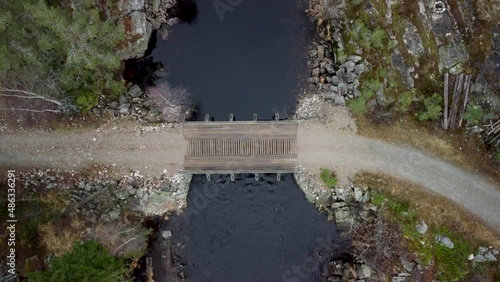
(240, 147)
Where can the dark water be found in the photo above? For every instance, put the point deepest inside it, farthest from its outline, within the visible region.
(245, 60)
(251, 230)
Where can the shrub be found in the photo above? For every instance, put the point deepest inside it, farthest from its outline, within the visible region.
(473, 115)
(89, 261)
(406, 99)
(176, 103)
(433, 108)
(328, 178)
(357, 106)
(378, 37)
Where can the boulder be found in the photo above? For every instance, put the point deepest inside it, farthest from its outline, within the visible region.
(399, 64)
(335, 80)
(135, 91)
(321, 52)
(349, 66)
(354, 58)
(421, 227)
(364, 271)
(445, 241)
(479, 258)
(350, 77)
(358, 69)
(137, 29)
(488, 256)
(358, 194)
(412, 39)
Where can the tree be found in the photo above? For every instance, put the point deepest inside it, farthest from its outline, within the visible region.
(88, 262)
(67, 47)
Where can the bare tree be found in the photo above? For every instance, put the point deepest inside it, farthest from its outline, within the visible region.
(39, 95)
(176, 103)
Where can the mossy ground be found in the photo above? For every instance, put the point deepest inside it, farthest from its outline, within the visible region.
(392, 196)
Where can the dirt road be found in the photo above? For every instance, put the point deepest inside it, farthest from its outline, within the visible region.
(320, 144)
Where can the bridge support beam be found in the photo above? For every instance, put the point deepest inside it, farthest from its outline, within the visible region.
(255, 117)
(232, 177)
(256, 177)
(231, 117)
(207, 117)
(277, 116)
(208, 176)
(278, 176)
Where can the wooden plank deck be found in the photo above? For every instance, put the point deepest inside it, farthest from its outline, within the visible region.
(232, 147)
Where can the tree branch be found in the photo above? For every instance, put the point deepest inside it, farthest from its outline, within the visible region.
(31, 95)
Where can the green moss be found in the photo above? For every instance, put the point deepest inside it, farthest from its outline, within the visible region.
(328, 178)
(378, 198)
(357, 106)
(452, 264)
(473, 115)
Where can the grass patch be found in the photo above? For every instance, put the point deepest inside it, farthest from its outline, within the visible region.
(328, 177)
(427, 206)
(447, 264)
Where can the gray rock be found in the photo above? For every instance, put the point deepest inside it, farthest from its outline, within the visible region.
(123, 100)
(315, 72)
(111, 216)
(173, 21)
(335, 80)
(366, 197)
(445, 241)
(97, 111)
(334, 88)
(381, 98)
(456, 69)
(364, 271)
(350, 77)
(399, 64)
(88, 187)
(358, 194)
(313, 79)
(483, 250)
(124, 109)
(355, 84)
(341, 72)
(495, 252)
(342, 87)
(421, 227)
(81, 184)
(51, 186)
(114, 104)
(135, 91)
(164, 33)
(321, 52)
(330, 69)
(488, 256)
(139, 29)
(349, 66)
(354, 58)
(122, 194)
(356, 93)
(479, 258)
(358, 69)
(412, 39)
(312, 63)
(313, 54)
(166, 234)
(339, 101)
